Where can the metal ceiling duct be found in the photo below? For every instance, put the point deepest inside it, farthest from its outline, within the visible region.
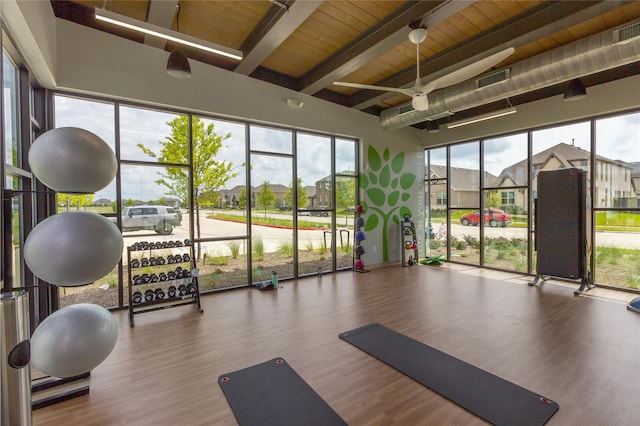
(606, 50)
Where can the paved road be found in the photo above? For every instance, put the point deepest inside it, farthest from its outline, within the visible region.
(273, 238)
(607, 239)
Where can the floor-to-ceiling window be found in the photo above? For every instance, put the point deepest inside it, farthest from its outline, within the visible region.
(506, 202)
(254, 199)
(500, 179)
(23, 118)
(464, 202)
(616, 201)
(436, 213)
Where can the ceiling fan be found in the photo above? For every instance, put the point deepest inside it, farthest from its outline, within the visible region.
(419, 92)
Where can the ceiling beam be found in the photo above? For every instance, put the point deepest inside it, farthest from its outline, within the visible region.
(279, 25)
(547, 19)
(160, 13)
(391, 32)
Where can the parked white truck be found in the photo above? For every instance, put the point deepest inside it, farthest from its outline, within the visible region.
(161, 219)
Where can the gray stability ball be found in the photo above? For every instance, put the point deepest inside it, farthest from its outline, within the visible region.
(73, 248)
(73, 340)
(70, 159)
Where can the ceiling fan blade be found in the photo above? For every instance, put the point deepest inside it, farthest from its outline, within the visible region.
(407, 92)
(465, 73)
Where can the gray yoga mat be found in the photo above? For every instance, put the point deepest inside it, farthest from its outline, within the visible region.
(490, 397)
(272, 393)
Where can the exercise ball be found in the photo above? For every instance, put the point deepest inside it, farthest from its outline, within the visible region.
(360, 236)
(73, 340)
(73, 248)
(69, 159)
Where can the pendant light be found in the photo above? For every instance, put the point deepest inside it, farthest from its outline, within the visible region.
(178, 63)
(575, 90)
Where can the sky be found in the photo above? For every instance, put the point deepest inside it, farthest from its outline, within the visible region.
(149, 128)
(618, 138)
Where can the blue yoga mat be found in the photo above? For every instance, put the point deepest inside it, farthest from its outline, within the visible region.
(490, 397)
(272, 393)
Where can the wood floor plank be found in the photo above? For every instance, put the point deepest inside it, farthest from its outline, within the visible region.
(582, 352)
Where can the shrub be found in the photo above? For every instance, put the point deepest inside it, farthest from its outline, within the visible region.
(258, 249)
(234, 246)
(434, 244)
(286, 248)
(309, 246)
(472, 241)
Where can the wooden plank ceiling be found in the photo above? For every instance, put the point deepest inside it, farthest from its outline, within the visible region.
(306, 45)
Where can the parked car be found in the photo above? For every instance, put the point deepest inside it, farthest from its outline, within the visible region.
(161, 219)
(493, 217)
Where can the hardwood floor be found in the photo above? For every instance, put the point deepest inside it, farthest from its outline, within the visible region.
(582, 352)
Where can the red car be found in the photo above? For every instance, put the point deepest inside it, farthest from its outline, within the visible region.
(494, 217)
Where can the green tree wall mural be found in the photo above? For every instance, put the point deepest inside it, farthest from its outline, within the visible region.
(386, 188)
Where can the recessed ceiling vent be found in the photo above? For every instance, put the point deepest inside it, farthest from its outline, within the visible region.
(493, 78)
(625, 34)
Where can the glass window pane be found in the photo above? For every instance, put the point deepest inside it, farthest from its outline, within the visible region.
(271, 230)
(617, 186)
(465, 175)
(11, 111)
(560, 147)
(465, 236)
(271, 140)
(148, 135)
(617, 180)
(345, 156)
(314, 191)
(219, 178)
(96, 117)
(223, 265)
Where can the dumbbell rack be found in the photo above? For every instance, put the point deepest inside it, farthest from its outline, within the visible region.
(174, 282)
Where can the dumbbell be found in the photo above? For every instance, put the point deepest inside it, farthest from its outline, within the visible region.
(159, 294)
(134, 246)
(154, 278)
(170, 259)
(191, 288)
(162, 276)
(178, 243)
(171, 291)
(137, 279)
(161, 261)
(187, 242)
(182, 290)
(144, 262)
(144, 245)
(186, 257)
(153, 261)
(146, 278)
(136, 297)
(186, 274)
(171, 275)
(135, 263)
(149, 295)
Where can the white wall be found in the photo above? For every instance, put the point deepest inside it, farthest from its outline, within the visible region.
(88, 61)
